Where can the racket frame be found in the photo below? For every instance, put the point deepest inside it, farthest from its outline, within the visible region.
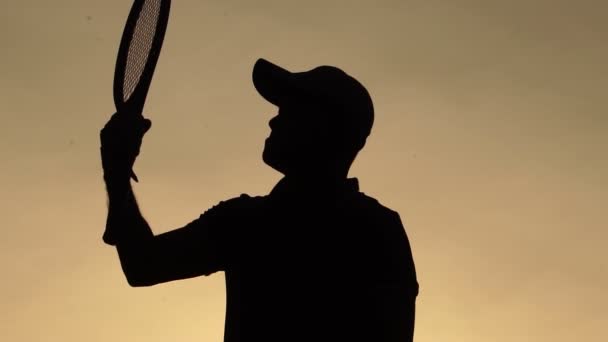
(135, 103)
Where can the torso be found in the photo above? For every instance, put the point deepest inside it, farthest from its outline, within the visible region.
(304, 271)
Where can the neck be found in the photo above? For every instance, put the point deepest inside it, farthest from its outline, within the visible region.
(313, 177)
(303, 187)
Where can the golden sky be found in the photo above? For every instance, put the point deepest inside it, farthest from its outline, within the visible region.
(490, 140)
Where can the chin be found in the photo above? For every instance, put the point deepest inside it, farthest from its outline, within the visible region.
(273, 161)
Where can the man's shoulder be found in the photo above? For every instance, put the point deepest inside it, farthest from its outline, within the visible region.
(236, 204)
(359, 202)
(366, 203)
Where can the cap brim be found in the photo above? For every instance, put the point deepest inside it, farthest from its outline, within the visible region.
(271, 81)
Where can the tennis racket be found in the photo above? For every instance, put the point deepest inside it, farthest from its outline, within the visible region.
(138, 53)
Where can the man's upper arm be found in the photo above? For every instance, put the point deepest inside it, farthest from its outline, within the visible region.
(198, 248)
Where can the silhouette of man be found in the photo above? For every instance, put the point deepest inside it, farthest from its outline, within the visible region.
(315, 259)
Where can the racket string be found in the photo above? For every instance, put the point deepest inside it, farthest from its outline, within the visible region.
(140, 45)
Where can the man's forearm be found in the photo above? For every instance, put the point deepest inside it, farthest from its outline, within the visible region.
(130, 233)
(125, 223)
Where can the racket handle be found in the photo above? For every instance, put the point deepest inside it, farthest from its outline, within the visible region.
(134, 176)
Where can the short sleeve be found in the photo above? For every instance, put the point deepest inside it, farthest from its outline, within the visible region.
(213, 233)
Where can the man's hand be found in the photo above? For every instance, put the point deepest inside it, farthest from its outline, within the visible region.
(121, 140)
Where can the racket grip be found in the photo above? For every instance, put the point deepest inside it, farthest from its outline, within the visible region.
(134, 176)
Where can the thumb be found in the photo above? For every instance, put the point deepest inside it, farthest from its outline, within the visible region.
(147, 124)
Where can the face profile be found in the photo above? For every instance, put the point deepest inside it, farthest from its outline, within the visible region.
(299, 139)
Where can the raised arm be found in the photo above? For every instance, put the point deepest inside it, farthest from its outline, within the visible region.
(147, 259)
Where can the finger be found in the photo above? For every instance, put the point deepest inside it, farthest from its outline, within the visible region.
(113, 123)
(147, 125)
(143, 126)
(119, 124)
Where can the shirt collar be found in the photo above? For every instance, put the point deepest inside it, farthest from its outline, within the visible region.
(286, 187)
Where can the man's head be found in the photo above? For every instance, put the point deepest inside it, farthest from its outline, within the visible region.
(324, 118)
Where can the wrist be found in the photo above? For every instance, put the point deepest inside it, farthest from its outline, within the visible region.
(116, 173)
(117, 183)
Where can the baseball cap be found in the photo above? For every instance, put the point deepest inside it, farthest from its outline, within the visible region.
(327, 86)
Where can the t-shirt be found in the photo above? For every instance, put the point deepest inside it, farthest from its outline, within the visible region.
(303, 263)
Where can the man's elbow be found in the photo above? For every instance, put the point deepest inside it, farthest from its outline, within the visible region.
(139, 280)
(136, 265)
(139, 283)
(137, 272)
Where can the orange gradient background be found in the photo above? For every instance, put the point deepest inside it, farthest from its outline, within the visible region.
(490, 140)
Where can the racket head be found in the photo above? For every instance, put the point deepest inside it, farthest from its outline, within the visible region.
(138, 53)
